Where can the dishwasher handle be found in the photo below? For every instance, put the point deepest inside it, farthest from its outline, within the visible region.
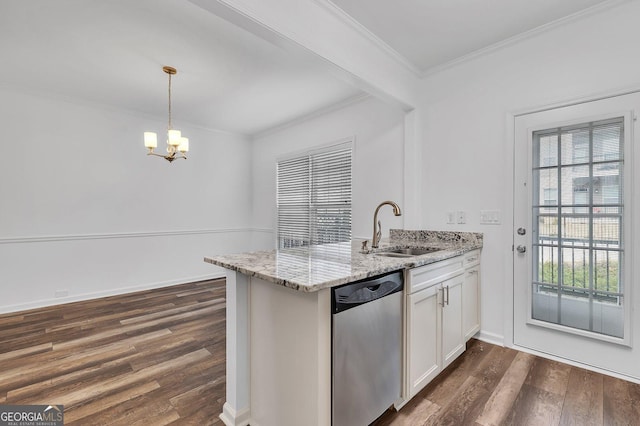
(358, 293)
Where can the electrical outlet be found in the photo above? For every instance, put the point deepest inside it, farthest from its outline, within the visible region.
(451, 217)
(461, 217)
(61, 293)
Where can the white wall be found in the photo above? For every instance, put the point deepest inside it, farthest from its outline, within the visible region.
(377, 163)
(467, 151)
(84, 210)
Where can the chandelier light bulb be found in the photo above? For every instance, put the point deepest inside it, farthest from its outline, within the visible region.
(150, 140)
(184, 145)
(174, 137)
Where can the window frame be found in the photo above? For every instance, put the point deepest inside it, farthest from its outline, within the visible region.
(313, 207)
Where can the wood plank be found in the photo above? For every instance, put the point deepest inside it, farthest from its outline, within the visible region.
(217, 303)
(550, 376)
(583, 402)
(464, 407)
(416, 412)
(621, 401)
(134, 328)
(19, 377)
(59, 362)
(505, 393)
(77, 396)
(106, 403)
(19, 353)
(534, 407)
(89, 376)
(444, 387)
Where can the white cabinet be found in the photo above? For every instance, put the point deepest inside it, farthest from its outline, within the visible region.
(423, 327)
(453, 342)
(434, 321)
(471, 294)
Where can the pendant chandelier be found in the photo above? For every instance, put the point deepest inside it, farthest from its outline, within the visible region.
(177, 145)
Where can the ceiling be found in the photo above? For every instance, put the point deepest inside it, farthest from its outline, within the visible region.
(430, 33)
(112, 52)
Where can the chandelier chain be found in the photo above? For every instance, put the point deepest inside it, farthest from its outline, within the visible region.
(170, 126)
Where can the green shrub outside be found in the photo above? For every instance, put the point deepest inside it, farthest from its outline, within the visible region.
(579, 275)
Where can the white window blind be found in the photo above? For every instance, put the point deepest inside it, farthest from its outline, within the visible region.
(314, 197)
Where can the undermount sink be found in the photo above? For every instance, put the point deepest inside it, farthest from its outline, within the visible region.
(407, 252)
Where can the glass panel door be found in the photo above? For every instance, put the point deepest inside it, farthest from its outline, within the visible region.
(577, 208)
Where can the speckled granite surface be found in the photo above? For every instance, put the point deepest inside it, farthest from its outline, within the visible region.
(316, 267)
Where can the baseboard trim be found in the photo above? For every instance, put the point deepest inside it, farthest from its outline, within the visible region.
(230, 418)
(576, 364)
(487, 337)
(106, 293)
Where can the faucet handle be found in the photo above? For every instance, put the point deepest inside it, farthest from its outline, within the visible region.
(379, 233)
(364, 245)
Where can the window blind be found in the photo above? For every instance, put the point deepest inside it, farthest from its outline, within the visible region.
(314, 197)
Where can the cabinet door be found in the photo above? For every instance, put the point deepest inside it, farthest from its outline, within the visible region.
(423, 349)
(471, 302)
(453, 343)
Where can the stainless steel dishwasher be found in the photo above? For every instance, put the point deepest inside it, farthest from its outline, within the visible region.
(366, 352)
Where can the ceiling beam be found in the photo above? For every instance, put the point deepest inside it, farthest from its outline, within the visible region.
(314, 32)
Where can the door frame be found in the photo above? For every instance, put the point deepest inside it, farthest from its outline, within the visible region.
(509, 238)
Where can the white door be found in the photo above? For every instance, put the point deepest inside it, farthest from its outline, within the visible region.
(574, 194)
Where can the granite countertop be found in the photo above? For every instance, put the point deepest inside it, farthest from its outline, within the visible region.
(314, 268)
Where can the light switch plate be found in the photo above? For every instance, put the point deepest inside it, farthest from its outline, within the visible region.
(490, 217)
(461, 217)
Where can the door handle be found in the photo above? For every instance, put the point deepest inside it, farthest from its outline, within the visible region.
(521, 249)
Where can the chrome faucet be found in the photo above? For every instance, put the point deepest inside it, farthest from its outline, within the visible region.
(377, 228)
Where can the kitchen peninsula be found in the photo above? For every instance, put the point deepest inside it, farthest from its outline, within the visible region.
(279, 320)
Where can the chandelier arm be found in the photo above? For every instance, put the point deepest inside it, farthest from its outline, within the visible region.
(156, 154)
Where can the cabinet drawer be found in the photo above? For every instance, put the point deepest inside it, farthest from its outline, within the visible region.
(472, 258)
(428, 275)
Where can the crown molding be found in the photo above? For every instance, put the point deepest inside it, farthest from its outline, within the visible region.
(598, 8)
(402, 60)
(363, 31)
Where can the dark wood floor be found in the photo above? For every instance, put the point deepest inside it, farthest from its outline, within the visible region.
(158, 357)
(492, 385)
(149, 358)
